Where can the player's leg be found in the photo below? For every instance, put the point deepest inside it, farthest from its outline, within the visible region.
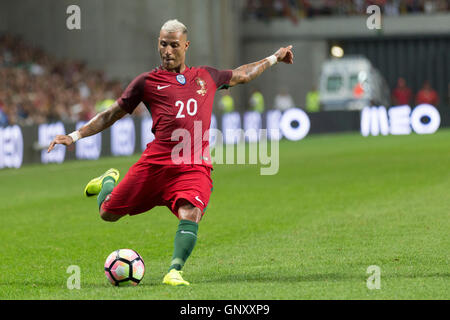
(103, 186)
(192, 187)
(186, 235)
(185, 240)
(107, 188)
(133, 195)
(110, 217)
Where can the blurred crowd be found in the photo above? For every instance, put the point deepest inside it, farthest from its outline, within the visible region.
(298, 9)
(37, 88)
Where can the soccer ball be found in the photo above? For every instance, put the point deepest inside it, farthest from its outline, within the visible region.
(124, 267)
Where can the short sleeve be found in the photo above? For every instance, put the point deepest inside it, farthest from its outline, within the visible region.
(220, 77)
(133, 94)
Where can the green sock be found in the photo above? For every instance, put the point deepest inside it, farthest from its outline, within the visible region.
(108, 185)
(185, 240)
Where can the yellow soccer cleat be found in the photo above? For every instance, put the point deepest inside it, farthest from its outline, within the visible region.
(95, 185)
(173, 278)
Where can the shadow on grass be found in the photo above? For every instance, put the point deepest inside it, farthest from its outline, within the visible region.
(229, 278)
(36, 285)
(324, 277)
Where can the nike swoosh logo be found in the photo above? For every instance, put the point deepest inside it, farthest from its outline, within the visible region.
(188, 232)
(198, 199)
(163, 87)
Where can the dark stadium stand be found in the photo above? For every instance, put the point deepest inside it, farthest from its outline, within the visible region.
(300, 9)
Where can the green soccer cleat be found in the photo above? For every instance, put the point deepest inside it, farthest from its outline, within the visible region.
(94, 186)
(174, 278)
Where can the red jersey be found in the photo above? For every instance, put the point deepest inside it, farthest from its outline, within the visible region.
(177, 101)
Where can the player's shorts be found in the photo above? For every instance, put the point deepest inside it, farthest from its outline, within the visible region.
(148, 185)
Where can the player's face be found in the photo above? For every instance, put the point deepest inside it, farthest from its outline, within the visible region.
(172, 49)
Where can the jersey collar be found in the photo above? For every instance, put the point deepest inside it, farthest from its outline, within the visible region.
(162, 70)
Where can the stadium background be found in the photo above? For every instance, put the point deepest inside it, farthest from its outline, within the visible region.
(117, 41)
(120, 40)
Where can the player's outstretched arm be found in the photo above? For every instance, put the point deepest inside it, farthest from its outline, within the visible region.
(97, 124)
(248, 72)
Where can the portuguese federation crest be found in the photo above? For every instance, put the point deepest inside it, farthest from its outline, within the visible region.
(181, 79)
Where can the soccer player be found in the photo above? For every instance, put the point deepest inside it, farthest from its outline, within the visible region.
(180, 98)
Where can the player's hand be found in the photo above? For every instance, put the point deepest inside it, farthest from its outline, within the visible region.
(60, 139)
(285, 55)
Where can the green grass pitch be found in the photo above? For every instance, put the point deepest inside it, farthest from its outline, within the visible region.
(339, 204)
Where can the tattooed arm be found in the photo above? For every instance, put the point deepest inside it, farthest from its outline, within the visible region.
(248, 72)
(97, 124)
